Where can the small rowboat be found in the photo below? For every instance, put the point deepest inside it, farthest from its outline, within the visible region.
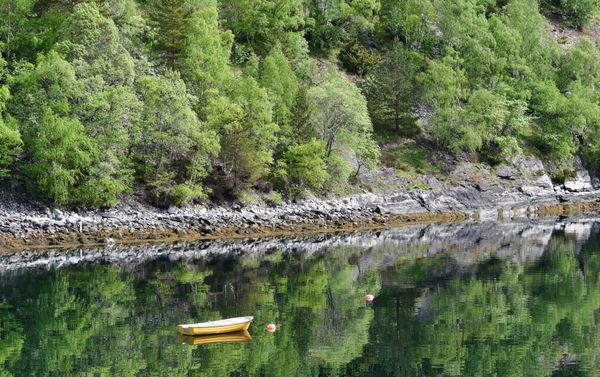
(216, 327)
(234, 337)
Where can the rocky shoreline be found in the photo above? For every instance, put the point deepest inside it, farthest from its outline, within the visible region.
(470, 193)
(517, 241)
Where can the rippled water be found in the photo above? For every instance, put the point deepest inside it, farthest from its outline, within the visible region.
(509, 299)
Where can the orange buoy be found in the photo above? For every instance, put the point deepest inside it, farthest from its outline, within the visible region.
(369, 297)
(271, 327)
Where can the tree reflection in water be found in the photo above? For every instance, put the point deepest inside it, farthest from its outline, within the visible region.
(432, 315)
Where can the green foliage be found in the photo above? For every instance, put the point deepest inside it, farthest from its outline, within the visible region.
(170, 19)
(282, 85)
(168, 91)
(10, 137)
(411, 21)
(12, 23)
(244, 124)
(173, 145)
(339, 170)
(273, 198)
(338, 105)
(91, 43)
(392, 89)
(58, 153)
(577, 13)
(205, 55)
(261, 24)
(305, 164)
(108, 107)
(10, 146)
(59, 157)
(340, 115)
(501, 84)
(332, 23)
(357, 59)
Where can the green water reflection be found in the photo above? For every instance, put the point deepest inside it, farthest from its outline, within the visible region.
(430, 318)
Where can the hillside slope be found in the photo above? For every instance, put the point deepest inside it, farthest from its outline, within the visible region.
(183, 101)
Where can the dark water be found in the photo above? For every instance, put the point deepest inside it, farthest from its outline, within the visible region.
(460, 300)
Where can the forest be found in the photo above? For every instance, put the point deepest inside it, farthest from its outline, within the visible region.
(180, 101)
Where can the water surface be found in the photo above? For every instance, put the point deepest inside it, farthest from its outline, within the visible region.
(507, 299)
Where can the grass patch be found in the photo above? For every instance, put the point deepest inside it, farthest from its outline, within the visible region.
(273, 198)
(409, 159)
(419, 185)
(249, 197)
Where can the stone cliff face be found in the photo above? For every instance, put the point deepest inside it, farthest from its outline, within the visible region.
(519, 190)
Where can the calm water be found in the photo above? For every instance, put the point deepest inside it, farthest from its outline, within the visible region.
(461, 300)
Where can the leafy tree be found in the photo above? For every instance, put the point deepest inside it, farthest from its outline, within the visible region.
(173, 148)
(468, 33)
(305, 164)
(59, 158)
(171, 19)
(10, 137)
(282, 85)
(205, 55)
(580, 64)
(332, 23)
(10, 146)
(537, 46)
(341, 118)
(244, 122)
(338, 106)
(392, 90)
(91, 42)
(357, 59)
(109, 108)
(409, 21)
(261, 24)
(58, 153)
(15, 15)
(364, 151)
(576, 12)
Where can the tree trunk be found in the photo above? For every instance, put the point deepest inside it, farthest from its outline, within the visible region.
(329, 146)
(397, 113)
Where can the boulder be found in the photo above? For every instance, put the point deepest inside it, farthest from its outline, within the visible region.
(581, 182)
(58, 214)
(528, 166)
(536, 190)
(543, 181)
(540, 185)
(506, 172)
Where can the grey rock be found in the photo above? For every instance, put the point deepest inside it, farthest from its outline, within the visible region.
(506, 172)
(581, 182)
(57, 213)
(108, 215)
(434, 183)
(543, 181)
(528, 166)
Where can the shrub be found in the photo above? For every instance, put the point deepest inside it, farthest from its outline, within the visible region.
(357, 59)
(306, 165)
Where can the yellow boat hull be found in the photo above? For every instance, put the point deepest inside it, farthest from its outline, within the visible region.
(234, 337)
(216, 327)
